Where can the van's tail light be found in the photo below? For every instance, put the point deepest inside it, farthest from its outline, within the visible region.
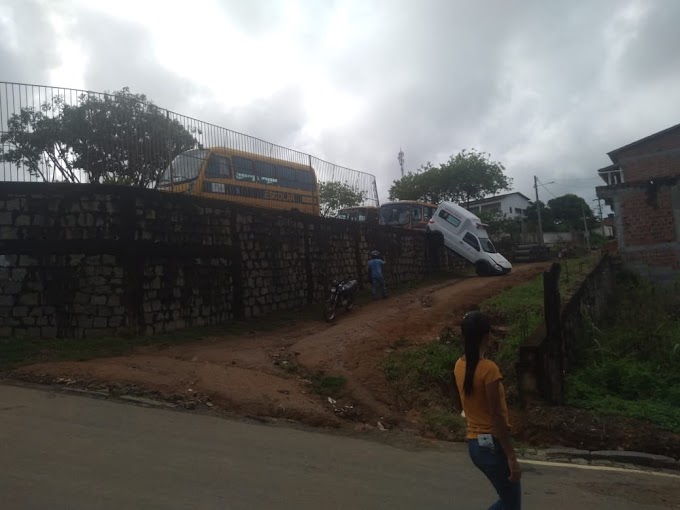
(431, 220)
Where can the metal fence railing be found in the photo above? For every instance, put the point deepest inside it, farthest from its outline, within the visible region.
(58, 134)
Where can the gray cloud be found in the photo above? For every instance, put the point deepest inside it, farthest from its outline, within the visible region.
(546, 87)
(27, 52)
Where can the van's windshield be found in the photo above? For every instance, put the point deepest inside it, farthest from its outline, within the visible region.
(487, 245)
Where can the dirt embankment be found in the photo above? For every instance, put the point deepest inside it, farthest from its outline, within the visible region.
(268, 375)
(276, 375)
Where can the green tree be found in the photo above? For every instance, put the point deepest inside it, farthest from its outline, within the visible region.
(336, 195)
(466, 176)
(120, 138)
(569, 210)
(547, 218)
(500, 227)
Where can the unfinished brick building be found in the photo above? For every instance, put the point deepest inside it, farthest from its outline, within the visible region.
(643, 188)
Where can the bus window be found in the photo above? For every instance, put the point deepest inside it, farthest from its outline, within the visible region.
(266, 173)
(218, 166)
(285, 176)
(416, 215)
(429, 212)
(184, 167)
(243, 169)
(395, 214)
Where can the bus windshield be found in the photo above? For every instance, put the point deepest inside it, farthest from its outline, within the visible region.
(395, 214)
(184, 167)
(487, 245)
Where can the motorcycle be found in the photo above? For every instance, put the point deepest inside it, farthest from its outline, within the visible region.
(342, 294)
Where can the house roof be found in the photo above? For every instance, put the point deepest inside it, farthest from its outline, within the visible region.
(496, 198)
(602, 172)
(612, 155)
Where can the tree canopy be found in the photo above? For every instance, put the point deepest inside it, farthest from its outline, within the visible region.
(569, 210)
(562, 214)
(467, 176)
(119, 138)
(336, 195)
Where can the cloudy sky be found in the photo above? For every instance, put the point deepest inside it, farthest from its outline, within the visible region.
(545, 87)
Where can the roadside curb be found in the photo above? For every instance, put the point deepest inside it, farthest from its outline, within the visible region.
(613, 458)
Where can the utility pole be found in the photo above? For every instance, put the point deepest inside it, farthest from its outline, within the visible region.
(586, 232)
(400, 158)
(538, 212)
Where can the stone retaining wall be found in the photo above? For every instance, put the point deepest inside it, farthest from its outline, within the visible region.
(83, 260)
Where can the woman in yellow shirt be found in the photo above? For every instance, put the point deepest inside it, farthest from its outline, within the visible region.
(482, 398)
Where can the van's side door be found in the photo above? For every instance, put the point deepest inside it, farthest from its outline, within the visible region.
(470, 244)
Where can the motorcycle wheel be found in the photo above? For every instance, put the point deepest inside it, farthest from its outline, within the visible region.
(329, 310)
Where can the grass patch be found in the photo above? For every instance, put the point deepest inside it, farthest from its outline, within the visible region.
(630, 365)
(422, 368)
(328, 385)
(445, 423)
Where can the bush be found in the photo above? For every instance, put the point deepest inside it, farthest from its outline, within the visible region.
(631, 364)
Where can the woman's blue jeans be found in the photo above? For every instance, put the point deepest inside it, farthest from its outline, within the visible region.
(494, 464)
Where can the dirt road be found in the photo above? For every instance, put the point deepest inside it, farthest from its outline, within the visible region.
(267, 375)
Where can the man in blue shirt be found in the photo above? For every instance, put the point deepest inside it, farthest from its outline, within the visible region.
(375, 274)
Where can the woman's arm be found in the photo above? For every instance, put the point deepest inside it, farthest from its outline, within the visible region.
(493, 394)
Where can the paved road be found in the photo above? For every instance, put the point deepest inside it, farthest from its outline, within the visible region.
(60, 451)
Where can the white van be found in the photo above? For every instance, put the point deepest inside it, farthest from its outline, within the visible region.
(465, 234)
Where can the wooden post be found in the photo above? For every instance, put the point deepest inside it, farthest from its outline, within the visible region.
(553, 350)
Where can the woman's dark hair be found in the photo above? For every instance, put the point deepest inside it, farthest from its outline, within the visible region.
(475, 327)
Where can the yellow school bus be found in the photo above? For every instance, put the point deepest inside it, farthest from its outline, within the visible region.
(361, 214)
(409, 214)
(243, 178)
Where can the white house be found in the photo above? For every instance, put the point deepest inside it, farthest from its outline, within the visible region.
(511, 205)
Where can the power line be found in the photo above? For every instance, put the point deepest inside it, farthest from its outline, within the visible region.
(545, 188)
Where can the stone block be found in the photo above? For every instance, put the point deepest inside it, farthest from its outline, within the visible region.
(12, 287)
(28, 321)
(8, 233)
(98, 300)
(115, 322)
(23, 220)
(6, 218)
(29, 299)
(36, 286)
(15, 204)
(20, 311)
(109, 260)
(6, 300)
(27, 261)
(5, 332)
(33, 332)
(101, 322)
(48, 332)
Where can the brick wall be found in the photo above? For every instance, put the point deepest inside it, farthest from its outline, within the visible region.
(658, 157)
(647, 216)
(81, 260)
(648, 226)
